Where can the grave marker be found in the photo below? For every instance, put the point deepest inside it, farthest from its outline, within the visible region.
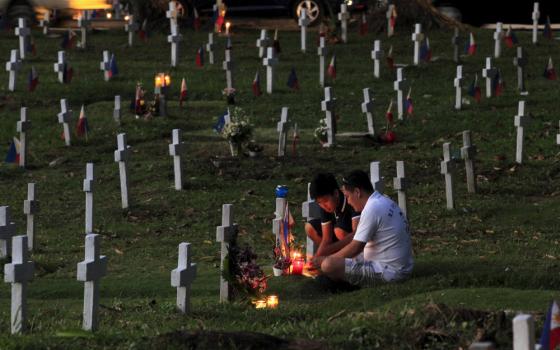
(489, 72)
(343, 17)
(269, 62)
(174, 39)
(456, 42)
(281, 128)
(30, 208)
(7, 231)
(417, 38)
(367, 108)
(172, 13)
(498, 37)
(523, 332)
(458, 83)
(60, 66)
(88, 189)
(227, 65)
(400, 85)
(117, 109)
(303, 22)
(327, 106)
(44, 23)
(391, 18)
(322, 52)
(105, 65)
(23, 32)
(376, 55)
(23, 126)
(83, 23)
(558, 136)
(90, 272)
(399, 184)
(13, 66)
(277, 222)
(375, 177)
(121, 156)
(176, 150)
(131, 27)
(18, 273)
(520, 61)
(521, 121)
(210, 48)
(263, 42)
(447, 169)
(64, 117)
(183, 276)
(535, 17)
(310, 210)
(468, 152)
(226, 234)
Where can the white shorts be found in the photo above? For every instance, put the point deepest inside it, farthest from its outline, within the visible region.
(368, 273)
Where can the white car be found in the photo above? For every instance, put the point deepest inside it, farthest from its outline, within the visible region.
(13, 9)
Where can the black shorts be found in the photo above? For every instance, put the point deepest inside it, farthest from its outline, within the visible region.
(316, 223)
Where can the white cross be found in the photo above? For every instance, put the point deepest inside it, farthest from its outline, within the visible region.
(310, 210)
(263, 42)
(367, 108)
(183, 276)
(23, 32)
(468, 152)
(117, 109)
(456, 42)
(226, 234)
(30, 208)
(23, 126)
(44, 23)
(64, 117)
(322, 52)
(558, 136)
(279, 213)
(281, 128)
(343, 17)
(210, 48)
(13, 66)
(400, 185)
(172, 13)
(174, 39)
(458, 83)
(303, 22)
(7, 231)
(83, 24)
(417, 37)
(327, 106)
(523, 332)
(121, 156)
(400, 85)
(269, 61)
(18, 273)
(176, 150)
(105, 65)
(489, 72)
(60, 65)
(376, 55)
(498, 37)
(389, 14)
(535, 17)
(375, 177)
(227, 65)
(131, 27)
(521, 121)
(88, 189)
(447, 169)
(90, 272)
(520, 61)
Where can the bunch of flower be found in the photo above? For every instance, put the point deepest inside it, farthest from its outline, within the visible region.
(243, 272)
(321, 131)
(239, 130)
(280, 261)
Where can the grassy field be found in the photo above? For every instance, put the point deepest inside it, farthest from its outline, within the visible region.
(476, 266)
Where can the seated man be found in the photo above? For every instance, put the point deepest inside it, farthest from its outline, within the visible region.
(338, 220)
(381, 250)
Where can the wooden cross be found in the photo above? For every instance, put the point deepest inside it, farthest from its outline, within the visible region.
(343, 17)
(117, 110)
(7, 231)
(23, 127)
(400, 85)
(447, 169)
(458, 83)
(18, 273)
(456, 42)
(263, 42)
(367, 108)
(281, 128)
(90, 272)
(327, 106)
(30, 208)
(375, 177)
(523, 332)
(521, 121)
(498, 37)
(121, 156)
(535, 16)
(64, 117)
(83, 24)
(389, 15)
(322, 52)
(227, 65)
(468, 152)
(303, 22)
(520, 61)
(174, 39)
(60, 65)
(13, 66)
(376, 55)
(399, 184)
(182, 277)
(44, 23)
(310, 210)
(417, 37)
(210, 48)
(105, 65)
(226, 234)
(23, 32)
(88, 189)
(176, 150)
(131, 27)
(270, 61)
(489, 72)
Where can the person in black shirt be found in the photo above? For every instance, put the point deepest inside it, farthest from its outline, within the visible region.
(338, 221)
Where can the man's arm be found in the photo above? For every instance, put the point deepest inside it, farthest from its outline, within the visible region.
(336, 246)
(351, 250)
(326, 238)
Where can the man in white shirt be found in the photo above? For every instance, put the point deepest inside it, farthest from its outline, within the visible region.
(381, 250)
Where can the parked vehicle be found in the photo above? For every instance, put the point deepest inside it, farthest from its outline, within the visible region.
(14, 9)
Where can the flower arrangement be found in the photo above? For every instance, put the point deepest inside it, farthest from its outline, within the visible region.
(281, 263)
(239, 130)
(321, 131)
(243, 272)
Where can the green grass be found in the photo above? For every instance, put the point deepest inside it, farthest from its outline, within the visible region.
(497, 251)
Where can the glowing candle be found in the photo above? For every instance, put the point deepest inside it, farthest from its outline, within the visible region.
(228, 24)
(272, 301)
(260, 304)
(109, 15)
(297, 266)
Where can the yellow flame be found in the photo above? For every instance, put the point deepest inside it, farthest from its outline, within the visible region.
(88, 4)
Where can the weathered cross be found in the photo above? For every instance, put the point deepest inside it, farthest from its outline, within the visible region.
(117, 109)
(376, 55)
(174, 39)
(105, 65)
(60, 66)
(64, 117)
(343, 17)
(458, 83)
(456, 42)
(535, 16)
(83, 24)
(303, 23)
(13, 66)
(23, 127)
(44, 23)
(417, 37)
(447, 169)
(375, 177)
(521, 121)
(400, 185)
(210, 48)
(281, 128)
(520, 61)
(121, 156)
(183, 276)
(279, 213)
(498, 37)
(131, 27)
(328, 106)
(468, 152)
(88, 189)
(269, 62)
(489, 72)
(389, 15)
(172, 13)
(227, 65)
(176, 150)
(322, 52)
(7, 231)
(263, 42)
(523, 332)
(226, 234)
(23, 32)
(400, 85)
(367, 108)
(558, 136)
(90, 272)
(30, 208)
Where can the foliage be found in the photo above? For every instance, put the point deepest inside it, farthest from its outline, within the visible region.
(321, 132)
(239, 130)
(243, 272)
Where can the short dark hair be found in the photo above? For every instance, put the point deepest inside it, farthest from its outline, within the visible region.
(357, 179)
(323, 184)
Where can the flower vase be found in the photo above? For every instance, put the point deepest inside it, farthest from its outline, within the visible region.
(234, 148)
(277, 272)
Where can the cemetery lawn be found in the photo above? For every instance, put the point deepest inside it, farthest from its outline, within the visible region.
(495, 255)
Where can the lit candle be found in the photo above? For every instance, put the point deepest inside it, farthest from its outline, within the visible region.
(158, 81)
(167, 80)
(228, 24)
(297, 266)
(126, 18)
(109, 15)
(272, 301)
(260, 304)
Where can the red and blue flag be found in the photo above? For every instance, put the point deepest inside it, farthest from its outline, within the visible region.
(13, 152)
(550, 337)
(257, 85)
(293, 82)
(33, 79)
